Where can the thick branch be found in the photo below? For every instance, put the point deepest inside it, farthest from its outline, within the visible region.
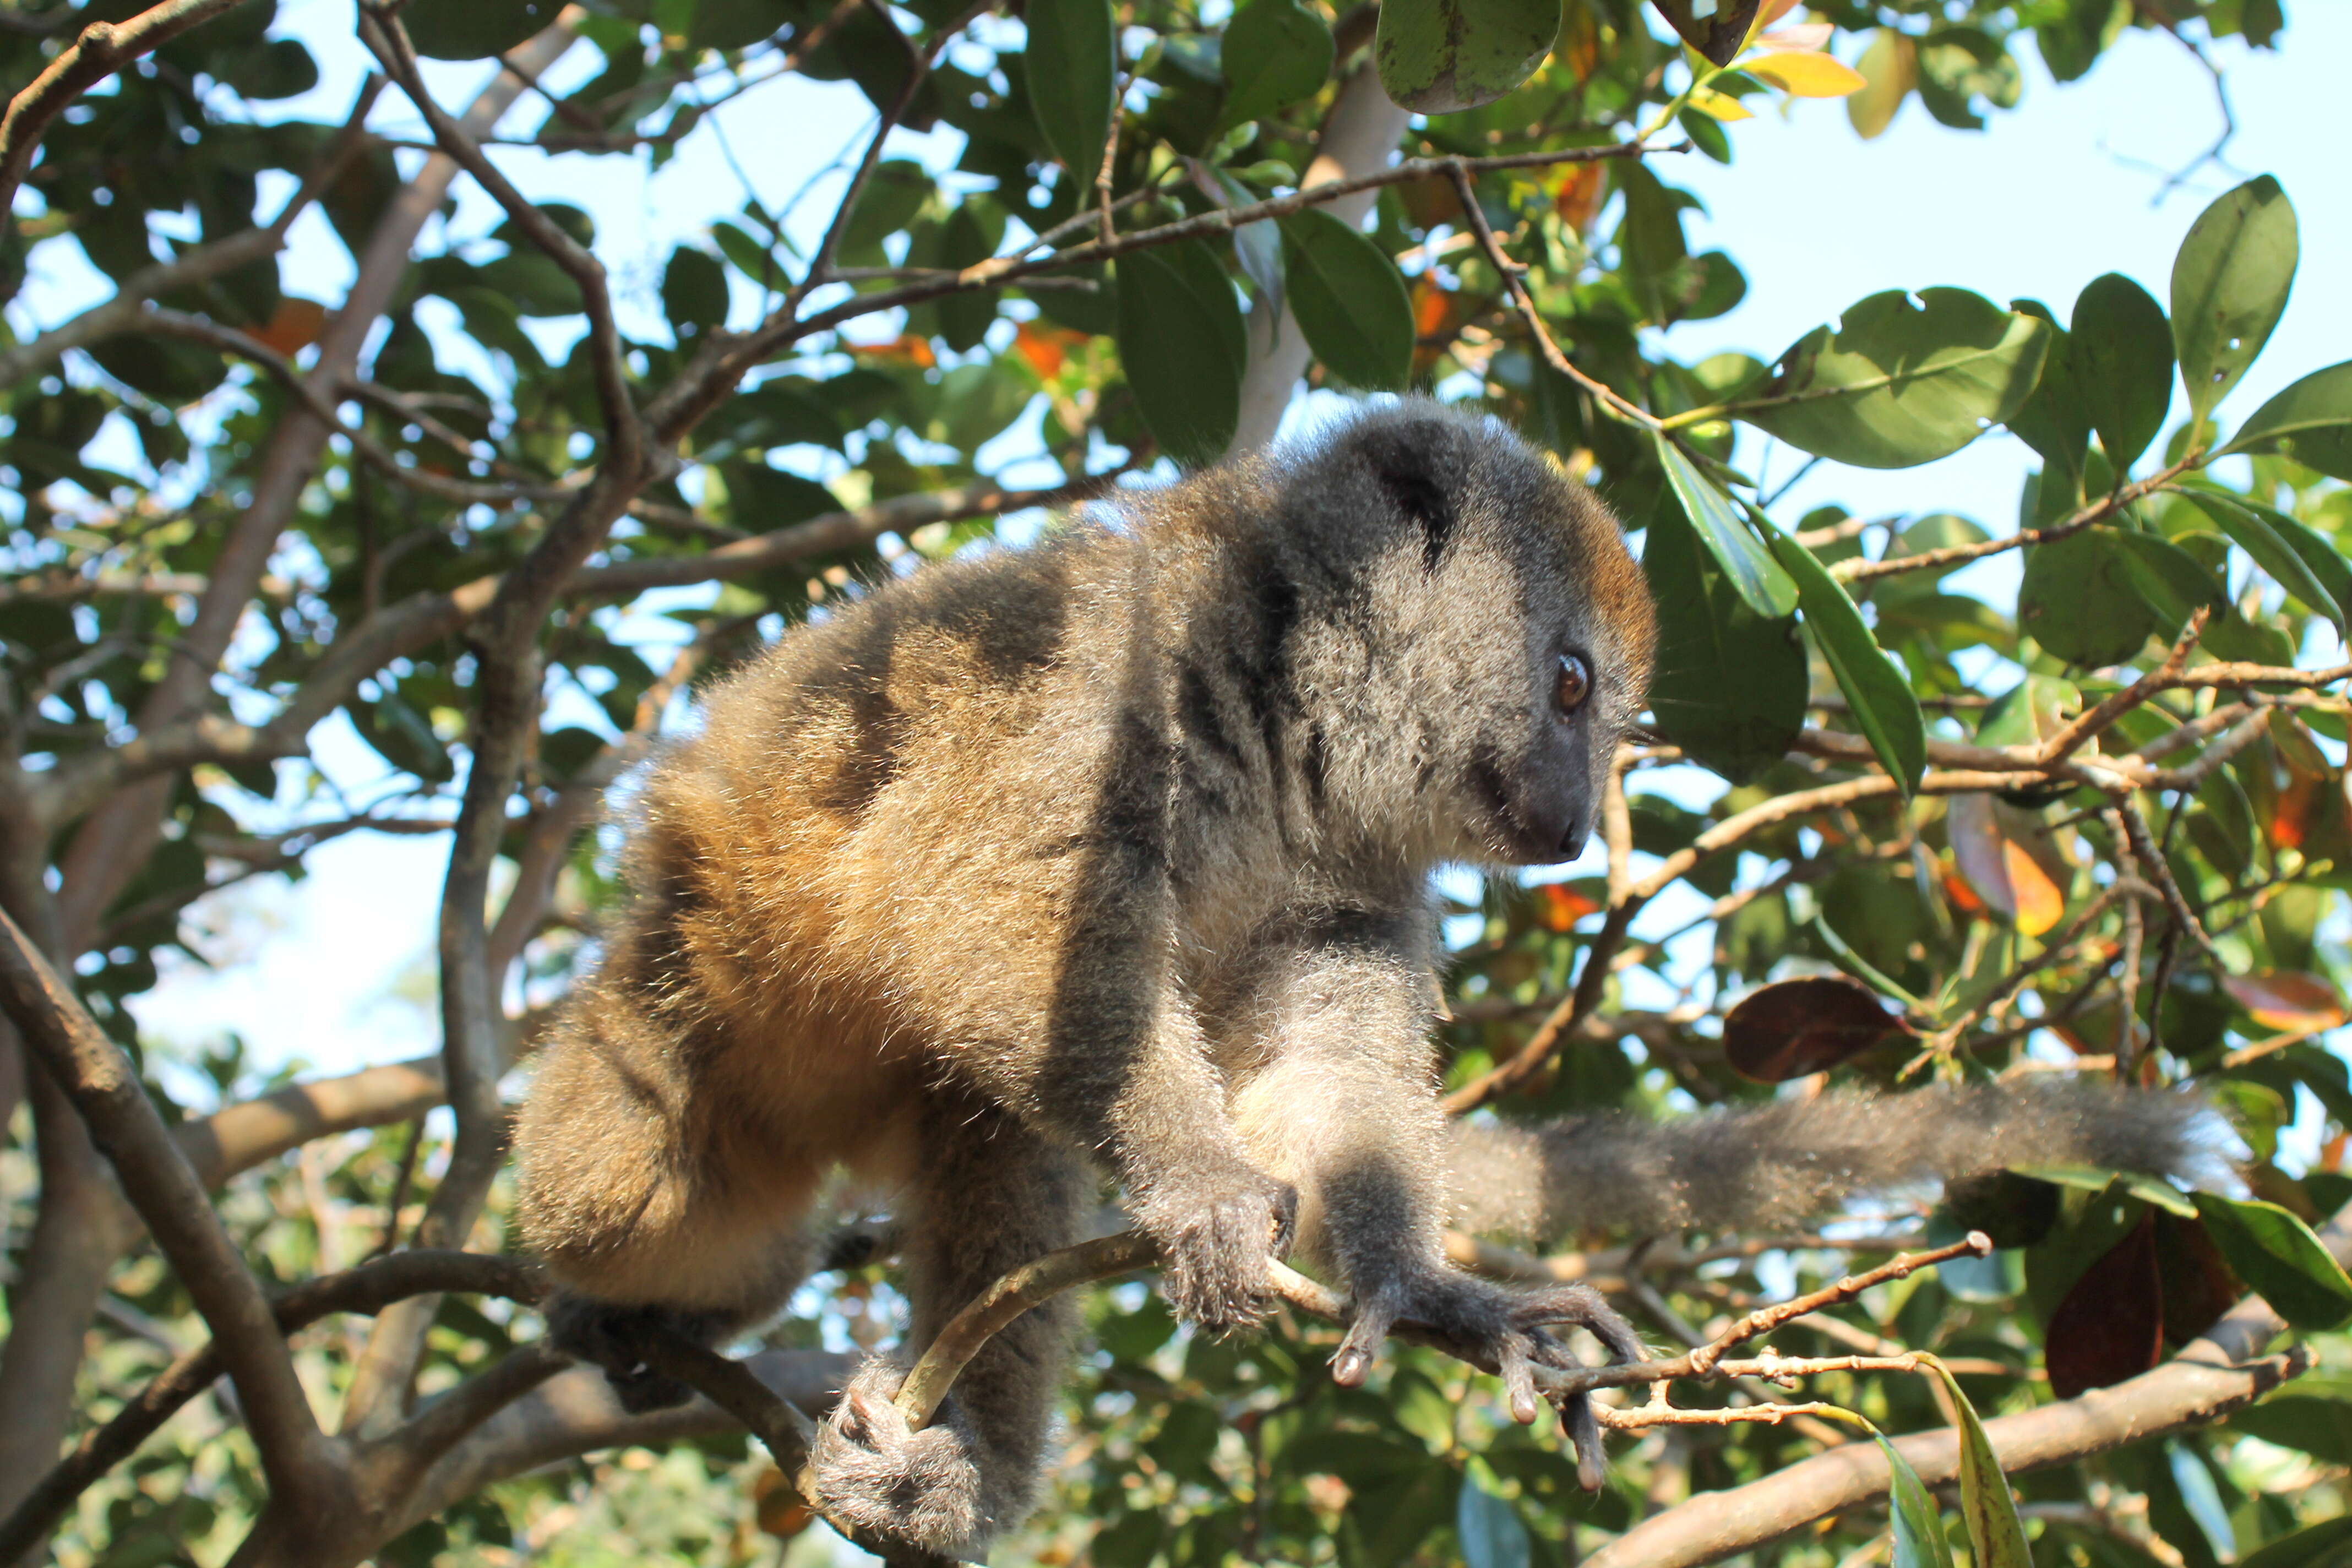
(106, 1091)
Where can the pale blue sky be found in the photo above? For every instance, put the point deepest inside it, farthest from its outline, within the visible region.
(2054, 193)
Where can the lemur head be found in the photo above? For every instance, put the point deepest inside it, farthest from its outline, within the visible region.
(1486, 640)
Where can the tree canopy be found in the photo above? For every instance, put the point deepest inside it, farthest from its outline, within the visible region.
(1897, 818)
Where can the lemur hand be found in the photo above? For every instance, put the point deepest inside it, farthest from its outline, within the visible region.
(609, 1333)
(1502, 1326)
(1214, 1251)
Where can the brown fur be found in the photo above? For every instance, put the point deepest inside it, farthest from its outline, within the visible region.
(1115, 849)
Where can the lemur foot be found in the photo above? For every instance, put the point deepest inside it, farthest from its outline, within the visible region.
(1505, 1328)
(610, 1333)
(1214, 1255)
(876, 1472)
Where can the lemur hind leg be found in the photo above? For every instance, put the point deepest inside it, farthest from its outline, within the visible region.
(653, 1202)
(990, 1194)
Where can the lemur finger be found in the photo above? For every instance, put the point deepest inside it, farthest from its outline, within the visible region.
(1578, 1424)
(1365, 1336)
(1584, 1307)
(1519, 1378)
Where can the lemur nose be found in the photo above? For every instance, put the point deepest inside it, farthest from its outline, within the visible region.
(1572, 843)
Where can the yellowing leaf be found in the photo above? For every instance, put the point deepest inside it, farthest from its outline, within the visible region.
(2040, 903)
(1718, 105)
(1806, 74)
(2286, 999)
(1803, 36)
(1890, 68)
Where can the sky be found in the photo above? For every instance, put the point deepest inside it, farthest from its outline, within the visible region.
(333, 972)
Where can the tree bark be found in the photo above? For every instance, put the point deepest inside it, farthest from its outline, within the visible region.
(1358, 137)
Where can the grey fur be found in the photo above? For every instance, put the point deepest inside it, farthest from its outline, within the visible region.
(1114, 849)
(1779, 1164)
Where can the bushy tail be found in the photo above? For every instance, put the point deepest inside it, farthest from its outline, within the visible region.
(1769, 1167)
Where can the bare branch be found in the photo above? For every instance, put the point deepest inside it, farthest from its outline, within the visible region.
(367, 1289)
(103, 48)
(104, 1088)
(239, 1137)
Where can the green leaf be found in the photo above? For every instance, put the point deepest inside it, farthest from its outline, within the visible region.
(2327, 562)
(895, 192)
(1919, 1531)
(2311, 422)
(1439, 56)
(2123, 366)
(2321, 1546)
(693, 292)
(1996, 1538)
(2320, 1427)
(1179, 345)
(1276, 53)
(1487, 1527)
(1349, 298)
(1877, 692)
(1898, 384)
(2080, 602)
(1073, 66)
(1762, 585)
(2169, 581)
(2276, 1252)
(474, 29)
(1730, 685)
(2230, 285)
(2055, 421)
(2091, 1179)
(2272, 553)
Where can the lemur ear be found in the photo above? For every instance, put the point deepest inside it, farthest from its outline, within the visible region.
(1409, 461)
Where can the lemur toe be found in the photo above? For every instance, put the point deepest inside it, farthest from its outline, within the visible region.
(876, 1472)
(1585, 1308)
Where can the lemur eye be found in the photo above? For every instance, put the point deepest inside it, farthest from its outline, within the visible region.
(1575, 682)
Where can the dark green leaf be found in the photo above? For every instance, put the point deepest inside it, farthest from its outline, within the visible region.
(2080, 602)
(1877, 692)
(2167, 580)
(2311, 422)
(1073, 62)
(2274, 554)
(2123, 365)
(1276, 53)
(1439, 56)
(2230, 285)
(1762, 584)
(1349, 298)
(474, 29)
(895, 192)
(2276, 1254)
(1730, 685)
(1917, 1529)
(1488, 1528)
(693, 293)
(1996, 1538)
(1900, 384)
(2321, 1546)
(2055, 421)
(1178, 345)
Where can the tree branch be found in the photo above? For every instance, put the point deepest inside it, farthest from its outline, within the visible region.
(103, 48)
(106, 1091)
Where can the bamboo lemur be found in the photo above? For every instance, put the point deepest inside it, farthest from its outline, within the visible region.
(1115, 851)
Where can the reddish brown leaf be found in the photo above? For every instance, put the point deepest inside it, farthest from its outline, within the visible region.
(2110, 1327)
(1559, 907)
(293, 326)
(2011, 861)
(2286, 999)
(1799, 1026)
(2197, 1282)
